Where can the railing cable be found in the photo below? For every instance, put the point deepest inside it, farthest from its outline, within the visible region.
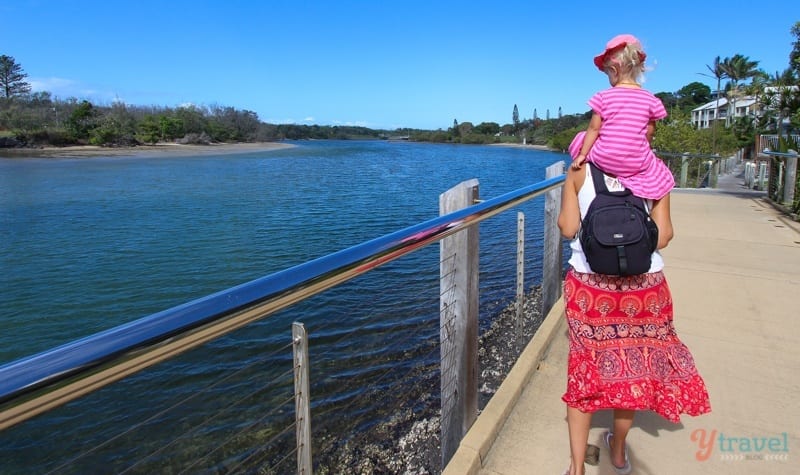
(213, 417)
(162, 412)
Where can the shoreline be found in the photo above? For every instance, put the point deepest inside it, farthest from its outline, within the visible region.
(159, 149)
(168, 149)
(543, 148)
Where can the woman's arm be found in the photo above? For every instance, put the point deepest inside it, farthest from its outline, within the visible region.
(661, 215)
(569, 218)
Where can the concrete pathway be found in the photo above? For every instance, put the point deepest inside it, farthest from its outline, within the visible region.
(734, 270)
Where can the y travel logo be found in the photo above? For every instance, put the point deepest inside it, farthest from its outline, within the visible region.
(737, 448)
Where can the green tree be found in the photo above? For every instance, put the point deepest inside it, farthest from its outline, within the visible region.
(794, 55)
(116, 126)
(692, 95)
(12, 78)
(669, 99)
(465, 128)
(738, 68)
(487, 128)
(676, 134)
(193, 119)
(515, 118)
(455, 131)
(148, 129)
(794, 67)
(561, 140)
(170, 127)
(744, 131)
(82, 120)
(719, 73)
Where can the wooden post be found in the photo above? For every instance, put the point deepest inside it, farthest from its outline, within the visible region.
(302, 398)
(551, 260)
(791, 179)
(713, 172)
(684, 169)
(458, 313)
(520, 301)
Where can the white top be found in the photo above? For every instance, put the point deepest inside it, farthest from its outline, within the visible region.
(585, 196)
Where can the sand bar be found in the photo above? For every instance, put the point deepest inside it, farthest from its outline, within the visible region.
(159, 149)
(544, 148)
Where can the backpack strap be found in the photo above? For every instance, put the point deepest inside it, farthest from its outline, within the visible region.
(599, 181)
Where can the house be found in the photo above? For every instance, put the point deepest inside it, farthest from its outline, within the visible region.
(703, 116)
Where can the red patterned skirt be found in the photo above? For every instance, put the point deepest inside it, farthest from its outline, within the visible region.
(623, 349)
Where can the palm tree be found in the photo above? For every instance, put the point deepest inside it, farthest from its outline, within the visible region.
(758, 90)
(738, 68)
(718, 72)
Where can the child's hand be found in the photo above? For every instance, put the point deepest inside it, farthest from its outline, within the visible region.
(578, 162)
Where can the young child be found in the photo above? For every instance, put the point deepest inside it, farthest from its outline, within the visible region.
(623, 119)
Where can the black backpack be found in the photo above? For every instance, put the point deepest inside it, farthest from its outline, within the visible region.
(617, 234)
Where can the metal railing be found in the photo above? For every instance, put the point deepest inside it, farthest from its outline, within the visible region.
(779, 170)
(697, 170)
(41, 382)
(772, 142)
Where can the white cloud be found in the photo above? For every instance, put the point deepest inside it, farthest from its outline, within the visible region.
(51, 84)
(64, 88)
(308, 119)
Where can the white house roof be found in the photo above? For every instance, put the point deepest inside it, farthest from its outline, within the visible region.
(723, 102)
(712, 105)
(745, 101)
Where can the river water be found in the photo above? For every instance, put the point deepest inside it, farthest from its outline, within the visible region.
(90, 243)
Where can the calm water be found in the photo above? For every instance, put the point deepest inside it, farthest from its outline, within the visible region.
(88, 244)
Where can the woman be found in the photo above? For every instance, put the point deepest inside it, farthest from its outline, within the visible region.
(624, 353)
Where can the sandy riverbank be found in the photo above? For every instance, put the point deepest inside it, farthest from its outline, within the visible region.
(528, 146)
(165, 149)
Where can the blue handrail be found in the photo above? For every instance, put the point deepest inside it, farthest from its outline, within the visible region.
(778, 154)
(36, 376)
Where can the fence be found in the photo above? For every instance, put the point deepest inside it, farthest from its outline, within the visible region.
(782, 186)
(255, 414)
(698, 170)
(778, 169)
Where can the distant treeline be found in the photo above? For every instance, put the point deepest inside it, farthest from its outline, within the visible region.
(32, 119)
(38, 119)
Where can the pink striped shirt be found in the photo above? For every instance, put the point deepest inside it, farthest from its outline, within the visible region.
(622, 148)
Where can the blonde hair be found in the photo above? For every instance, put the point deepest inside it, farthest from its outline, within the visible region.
(626, 62)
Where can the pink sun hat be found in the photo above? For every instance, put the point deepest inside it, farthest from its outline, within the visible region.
(617, 42)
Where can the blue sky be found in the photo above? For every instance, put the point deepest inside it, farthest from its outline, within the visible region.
(378, 64)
